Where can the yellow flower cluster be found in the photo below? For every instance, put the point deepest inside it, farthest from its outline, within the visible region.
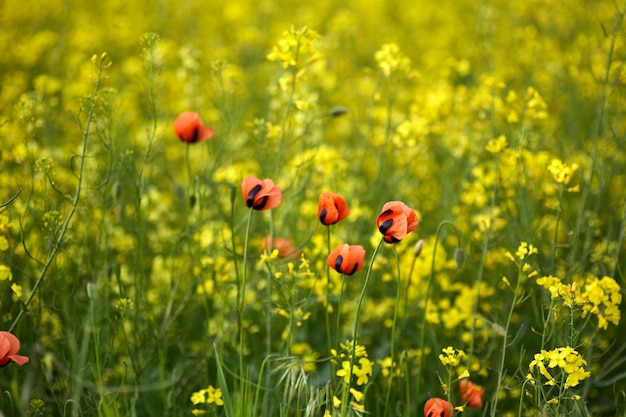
(558, 289)
(602, 297)
(295, 45)
(567, 359)
(599, 296)
(210, 395)
(451, 356)
(361, 368)
(391, 60)
(496, 145)
(561, 172)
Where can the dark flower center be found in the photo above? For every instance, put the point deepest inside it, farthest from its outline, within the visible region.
(385, 226)
(253, 192)
(323, 214)
(338, 263)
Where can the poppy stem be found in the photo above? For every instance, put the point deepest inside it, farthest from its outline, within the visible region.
(241, 296)
(328, 332)
(344, 401)
(393, 331)
(427, 295)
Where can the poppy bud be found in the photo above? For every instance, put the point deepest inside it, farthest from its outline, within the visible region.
(347, 259)
(9, 346)
(260, 194)
(332, 208)
(338, 111)
(189, 128)
(438, 407)
(459, 257)
(395, 221)
(417, 249)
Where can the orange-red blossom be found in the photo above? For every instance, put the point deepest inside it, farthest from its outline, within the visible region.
(347, 259)
(471, 394)
(331, 208)
(9, 346)
(438, 407)
(189, 128)
(260, 194)
(395, 221)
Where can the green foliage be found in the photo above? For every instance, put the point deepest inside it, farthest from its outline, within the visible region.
(139, 283)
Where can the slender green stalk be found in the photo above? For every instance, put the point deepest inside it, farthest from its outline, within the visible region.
(481, 267)
(393, 332)
(288, 110)
(326, 310)
(241, 297)
(346, 392)
(595, 134)
(555, 238)
(505, 337)
(75, 200)
(427, 298)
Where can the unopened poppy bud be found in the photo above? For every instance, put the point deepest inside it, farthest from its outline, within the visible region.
(192, 200)
(338, 111)
(116, 191)
(459, 257)
(417, 249)
(92, 290)
(179, 191)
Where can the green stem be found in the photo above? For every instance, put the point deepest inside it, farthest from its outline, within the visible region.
(346, 392)
(481, 266)
(505, 337)
(426, 297)
(393, 332)
(327, 312)
(241, 296)
(75, 200)
(555, 238)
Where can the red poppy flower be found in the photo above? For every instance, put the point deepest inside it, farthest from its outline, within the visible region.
(9, 346)
(347, 259)
(260, 194)
(284, 246)
(437, 407)
(471, 394)
(189, 128)
(332, 208)
(396, 220)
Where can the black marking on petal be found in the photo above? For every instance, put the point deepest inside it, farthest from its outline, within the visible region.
(253, 192)
(385, 226)
(442, 414)
(356, 266)
(391, 239)
(323, 214)
(196, 133)
(261, 203)
(338, 263)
